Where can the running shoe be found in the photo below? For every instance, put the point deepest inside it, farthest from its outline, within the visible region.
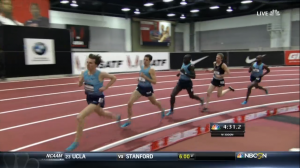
(201, 101)
(126, 124)
(72, 146)
(119, 119)
(231, 88)
(163, 114)
(244, 102)
(169, 113)
(267, 91)
(205, 110)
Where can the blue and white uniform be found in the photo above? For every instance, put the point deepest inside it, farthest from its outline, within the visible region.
(145, 87)
(257, 72)
(91, 87)
(185, 82)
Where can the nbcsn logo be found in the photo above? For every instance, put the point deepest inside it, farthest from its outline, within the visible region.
(252, 155)
(215, 127)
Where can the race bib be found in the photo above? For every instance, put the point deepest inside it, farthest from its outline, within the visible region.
(255, 70)
(100, 100)
(258, 79)
(216, 72)
(222, 82)
(89, 88)
(142, 79)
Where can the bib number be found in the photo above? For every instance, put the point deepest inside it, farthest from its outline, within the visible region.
(216, 72)
(222, 82)
(89, 88)
(257, 79)
(255, 70)
(100, 100)
(142, 79)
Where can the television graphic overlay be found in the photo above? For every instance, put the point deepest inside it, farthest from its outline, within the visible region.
(155, 33)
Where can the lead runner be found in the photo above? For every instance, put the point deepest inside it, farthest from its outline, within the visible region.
(93, 84)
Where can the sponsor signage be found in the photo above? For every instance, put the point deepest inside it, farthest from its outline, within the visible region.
(247, 58)
(292, 57)
(39, 51)
(80, 36)
(121, 62)
(199, 60)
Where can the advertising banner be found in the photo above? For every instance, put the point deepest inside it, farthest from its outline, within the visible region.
(80, 36)
(247, 58)
(39, 51)
(121, 62)
(292, 57)
(199, 60)
(155, 33)
(33, 13)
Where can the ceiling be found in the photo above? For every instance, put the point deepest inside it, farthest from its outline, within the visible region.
(160, 9)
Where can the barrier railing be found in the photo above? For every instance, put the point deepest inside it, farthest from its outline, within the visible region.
(200, 130)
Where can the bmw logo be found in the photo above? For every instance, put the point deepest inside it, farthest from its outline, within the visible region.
(39, 48)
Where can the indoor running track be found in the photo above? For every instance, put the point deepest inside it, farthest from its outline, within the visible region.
(40, 115)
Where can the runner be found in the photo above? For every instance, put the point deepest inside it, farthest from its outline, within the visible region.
(144, 88)
(187, 73)
(94, 88)
(256, 70)
(220, 70)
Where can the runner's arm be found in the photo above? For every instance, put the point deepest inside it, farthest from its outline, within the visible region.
(153, 76)
(81, 80)
(192, 72)
(268, 70)
(104, 75)
(251, 68)
(213, 67)
(226, 69)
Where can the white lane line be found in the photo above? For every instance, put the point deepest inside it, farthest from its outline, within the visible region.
(121, 105)
(163, 128)
(102, 125)
(66, 77)
(73, 101)
(295, 150)
(118, 86)
(75, 83)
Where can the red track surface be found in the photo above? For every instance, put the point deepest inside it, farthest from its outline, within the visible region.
(57, 132)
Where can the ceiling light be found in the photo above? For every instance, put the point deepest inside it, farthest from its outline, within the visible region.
(148, 4)
(125, 9)
(183, 2)
(214, 7)
(64, 1)
(137, 11)
(194, 10)
(246, 2)
(74, 4)
(171, 14)
(167, 0)
(182, 17)
(229, 9)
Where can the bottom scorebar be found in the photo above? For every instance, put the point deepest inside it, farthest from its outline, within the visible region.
(227, 134)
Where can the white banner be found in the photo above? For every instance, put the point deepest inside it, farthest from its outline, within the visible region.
(39, 51)
(121, 62)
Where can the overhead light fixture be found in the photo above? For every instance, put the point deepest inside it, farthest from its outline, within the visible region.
(167, 0)
(74, 4)
(183, 2)
(194, 10)
(246, 2)
(229, 9)
(64, 1)
(171, 14)
(214, 7)
(137, 11)
(182, 16)
(125, 9)
(148, 4)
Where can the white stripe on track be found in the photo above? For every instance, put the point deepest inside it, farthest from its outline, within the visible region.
(121, 105)
(135, 78)
(102, 125)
